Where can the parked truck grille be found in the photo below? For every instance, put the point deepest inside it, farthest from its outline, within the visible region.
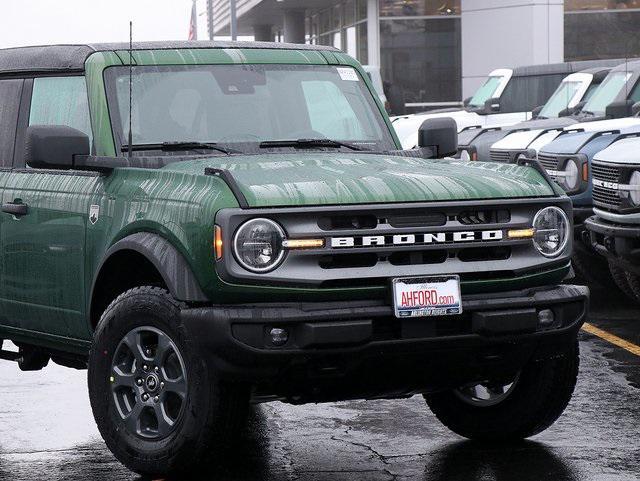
(548, 161)
(362, 244)
(605, 197)
(500, 155)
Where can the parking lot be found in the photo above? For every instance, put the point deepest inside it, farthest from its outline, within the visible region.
(47, 431)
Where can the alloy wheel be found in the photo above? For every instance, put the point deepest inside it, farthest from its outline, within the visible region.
(486, 393)
(148, 383)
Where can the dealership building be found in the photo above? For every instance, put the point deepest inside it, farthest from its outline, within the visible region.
(438, 51)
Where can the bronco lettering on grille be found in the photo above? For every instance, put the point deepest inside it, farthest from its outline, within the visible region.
(605, 184)
(416, 239)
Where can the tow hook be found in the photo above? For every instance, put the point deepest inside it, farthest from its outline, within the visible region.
(586, 237)
(610, 244)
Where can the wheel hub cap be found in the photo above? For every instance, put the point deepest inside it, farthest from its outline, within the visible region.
(148, 383)
(152, 382)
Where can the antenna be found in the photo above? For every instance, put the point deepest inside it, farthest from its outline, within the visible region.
(130, 140)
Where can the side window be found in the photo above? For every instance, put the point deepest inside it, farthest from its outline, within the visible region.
(61, 101)
(10, 91)
(524, 94)
(330, 112)
(635, 93)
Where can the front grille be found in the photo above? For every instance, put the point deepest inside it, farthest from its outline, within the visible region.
(610, 198)
(366, 245)
(605, 172)
(500, 155)
(604, 196)
(548, 161)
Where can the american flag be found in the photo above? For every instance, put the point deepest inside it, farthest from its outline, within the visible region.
(193, 24)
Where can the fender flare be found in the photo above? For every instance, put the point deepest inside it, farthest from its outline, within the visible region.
(168, 261)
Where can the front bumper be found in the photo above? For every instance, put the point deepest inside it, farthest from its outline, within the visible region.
(346, 350)
(618, 242)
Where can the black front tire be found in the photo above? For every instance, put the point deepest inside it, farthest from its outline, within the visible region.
(213, 412)
(541, 393)
(633, 281)
(592, 269)
(620, 278)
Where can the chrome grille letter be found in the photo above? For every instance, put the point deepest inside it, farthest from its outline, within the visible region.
(342, 242)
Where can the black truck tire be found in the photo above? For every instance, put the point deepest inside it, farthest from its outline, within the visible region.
(208, 414)
(539, 396)
(633, 281)
(620, 279)
(593, 269)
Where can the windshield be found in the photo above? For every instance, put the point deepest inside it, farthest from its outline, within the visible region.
(243, 105)
(560, 99)
(485, 92)
(607, 92)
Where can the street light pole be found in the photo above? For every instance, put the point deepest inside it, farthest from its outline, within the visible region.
(210, 18)
(234, 20)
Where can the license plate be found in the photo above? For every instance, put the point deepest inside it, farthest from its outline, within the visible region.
(427, 296)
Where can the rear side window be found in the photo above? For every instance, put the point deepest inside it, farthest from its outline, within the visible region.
(10, 91)
(523, 94)
(635, 93)
(61, 101)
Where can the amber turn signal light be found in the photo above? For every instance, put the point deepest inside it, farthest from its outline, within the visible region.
(217, 242)
(521, 233)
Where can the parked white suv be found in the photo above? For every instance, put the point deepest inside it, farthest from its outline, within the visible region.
(508, 96)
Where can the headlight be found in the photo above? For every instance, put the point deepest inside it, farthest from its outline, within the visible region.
(464, 155)
(635, 182)
(257, 245)
(551, 231)
(571, 178)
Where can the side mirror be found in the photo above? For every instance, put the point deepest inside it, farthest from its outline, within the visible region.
(619, 110)
(492, 105)
(466, 101)
(54, 146)
(535, 112)
(635, 109)
(439, 135)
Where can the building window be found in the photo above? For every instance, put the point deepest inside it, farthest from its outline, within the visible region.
(361, 35)
(343, 26)
(410, 8)
(349, 12)
(361, 10)
(614, 34)
(421, 58)
(577, 5)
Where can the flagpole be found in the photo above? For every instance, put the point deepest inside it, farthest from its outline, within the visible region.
(193, 24)
(234, 20)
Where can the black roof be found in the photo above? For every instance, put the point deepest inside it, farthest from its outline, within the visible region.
(566, 67)
(57, 58)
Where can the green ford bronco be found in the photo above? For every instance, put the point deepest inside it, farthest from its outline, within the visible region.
(205, 225)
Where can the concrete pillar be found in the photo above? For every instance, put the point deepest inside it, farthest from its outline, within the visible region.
(373, 33)
(293, 26)
(508, 33)
(263, 33)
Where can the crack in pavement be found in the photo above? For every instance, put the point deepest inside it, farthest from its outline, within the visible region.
(382, 457)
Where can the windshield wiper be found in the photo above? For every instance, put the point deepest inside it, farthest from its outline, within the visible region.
(587, 112)
(176, 146)
(308, 144)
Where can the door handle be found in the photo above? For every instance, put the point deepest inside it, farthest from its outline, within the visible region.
(15, 208)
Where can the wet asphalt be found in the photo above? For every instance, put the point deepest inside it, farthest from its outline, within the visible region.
(47, 431)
